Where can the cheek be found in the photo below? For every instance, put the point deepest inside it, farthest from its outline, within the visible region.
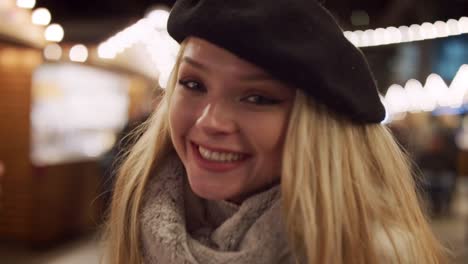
(269, 140)
(180, 120)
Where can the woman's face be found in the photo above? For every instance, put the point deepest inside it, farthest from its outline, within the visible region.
(228, 122)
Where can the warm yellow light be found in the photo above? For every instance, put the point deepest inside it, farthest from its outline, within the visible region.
(405, 33)
(463, 22)
(28, 4)
(352, 37)
(437, 89)
(158, 18)
(53, 52)
(54, 33)
(415, 32)
(441, 29)
(41, 16)
(428, 31)
(396, 100)
(453, 27)
(105, 51)
(79, 53)
(394, 34)
(379, 36)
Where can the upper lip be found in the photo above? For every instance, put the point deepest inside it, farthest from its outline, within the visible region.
(217, 149)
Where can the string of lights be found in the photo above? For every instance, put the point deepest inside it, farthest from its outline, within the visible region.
(151, 31)
(402, 34)
(435, 93)
(41, 17)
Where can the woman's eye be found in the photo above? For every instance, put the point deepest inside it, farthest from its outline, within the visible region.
(191, 85)
(261, 100)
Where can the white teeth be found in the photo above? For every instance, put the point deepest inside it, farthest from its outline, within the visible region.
(219, 156)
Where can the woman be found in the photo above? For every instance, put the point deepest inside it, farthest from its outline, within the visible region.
(260, 153)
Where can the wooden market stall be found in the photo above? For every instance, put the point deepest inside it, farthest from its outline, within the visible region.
(44, 200)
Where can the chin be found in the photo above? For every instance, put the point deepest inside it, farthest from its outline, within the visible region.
(208, 192)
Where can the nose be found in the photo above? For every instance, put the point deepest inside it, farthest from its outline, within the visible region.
(217, 119)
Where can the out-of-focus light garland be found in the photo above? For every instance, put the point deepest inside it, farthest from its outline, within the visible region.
(27, 24)
(393, 35)
(53, 52)
(41, 17)
(54, 33)
(416, 97)
(27, 4)
(78, 53)
(151, 31)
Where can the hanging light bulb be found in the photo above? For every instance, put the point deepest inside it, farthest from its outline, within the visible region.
(437, 89)
(53, 52)
(54, 33)
(41, 16)
(395, 34)
(27, 4)
(405, 34)
(415, 93)
(79, 53)
(463, 23)
(453, 27)
(396, 99)
(158, 18)
(428, 31)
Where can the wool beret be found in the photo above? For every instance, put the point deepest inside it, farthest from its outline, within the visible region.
(296, 41)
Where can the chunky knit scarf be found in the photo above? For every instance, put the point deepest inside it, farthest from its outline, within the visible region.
(179, 227)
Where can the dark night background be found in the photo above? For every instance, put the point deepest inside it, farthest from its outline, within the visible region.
(94, 20)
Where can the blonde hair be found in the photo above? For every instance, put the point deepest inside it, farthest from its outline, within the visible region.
(121, 238)
(347, 191)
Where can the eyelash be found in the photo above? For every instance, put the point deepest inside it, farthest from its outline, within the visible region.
(261, 100)
(186, 84)
(258, 99)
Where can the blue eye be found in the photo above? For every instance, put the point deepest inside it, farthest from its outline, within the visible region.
(261, 100)
(192, 85)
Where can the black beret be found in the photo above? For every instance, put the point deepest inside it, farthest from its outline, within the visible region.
(296, 41)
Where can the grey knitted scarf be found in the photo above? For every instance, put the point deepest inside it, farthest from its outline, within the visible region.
(179, 227)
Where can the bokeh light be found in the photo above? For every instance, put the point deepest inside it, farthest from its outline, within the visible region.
(158, 18)
(53, 52)
(415, 32)
(106, 52)
(28, 4)
(54, 33)
(41, 16)
(79, 53)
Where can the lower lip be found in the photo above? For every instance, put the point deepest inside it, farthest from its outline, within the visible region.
(212, 165)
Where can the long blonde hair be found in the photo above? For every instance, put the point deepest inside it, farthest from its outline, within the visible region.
(348, 195)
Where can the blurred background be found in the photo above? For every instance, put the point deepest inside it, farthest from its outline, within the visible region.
(76, 76)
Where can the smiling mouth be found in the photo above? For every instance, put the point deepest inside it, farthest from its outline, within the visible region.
(219, 156)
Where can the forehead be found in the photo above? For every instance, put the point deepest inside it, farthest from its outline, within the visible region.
(217, 58)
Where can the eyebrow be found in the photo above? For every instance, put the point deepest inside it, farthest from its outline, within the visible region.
(195, 63)
(252, 77)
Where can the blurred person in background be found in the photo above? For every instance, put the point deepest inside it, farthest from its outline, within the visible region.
(438, 163)
(267, 147)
